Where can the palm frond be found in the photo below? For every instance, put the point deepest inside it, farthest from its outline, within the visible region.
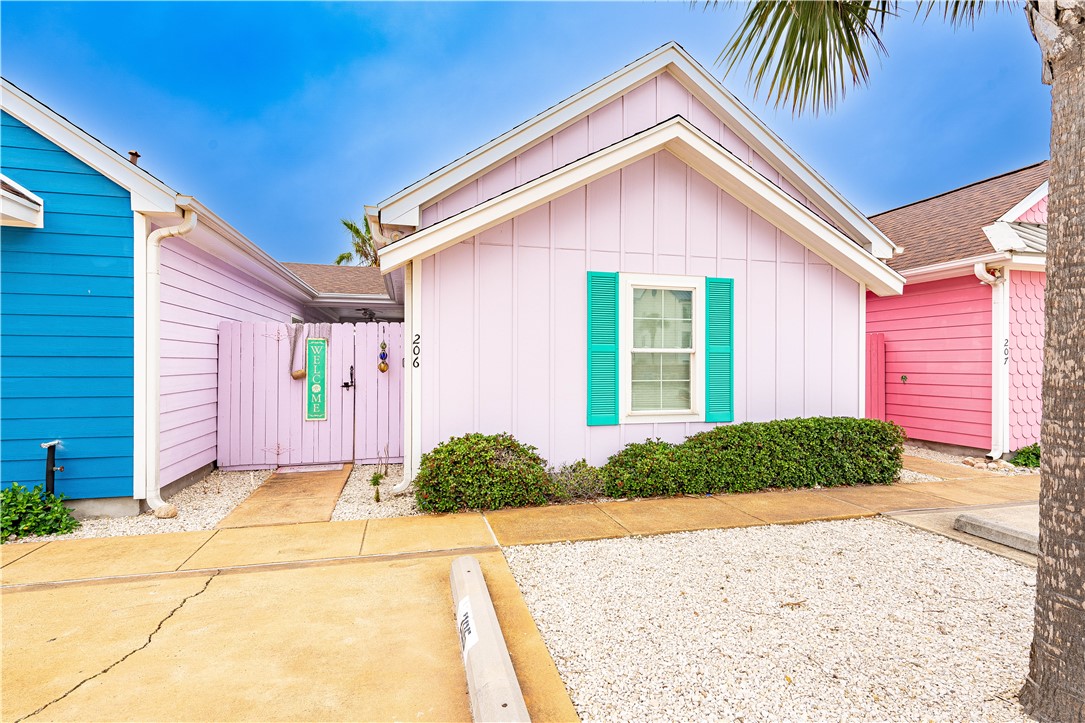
(808, 52)
(361, 241)
(959, 13)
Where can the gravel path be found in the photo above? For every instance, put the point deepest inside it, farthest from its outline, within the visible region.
(356, 502)
(858, 619)
(199, 507)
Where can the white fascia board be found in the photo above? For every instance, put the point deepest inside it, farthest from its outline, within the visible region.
(18, 211)
(404, 207)
(1025, 203)
(1028, 262)
(333, 300)
(949, 269)
(698, 151)
(223, 241)
(1003, 237)
(149, 195)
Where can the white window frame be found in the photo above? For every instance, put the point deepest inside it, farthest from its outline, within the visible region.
(626, 284)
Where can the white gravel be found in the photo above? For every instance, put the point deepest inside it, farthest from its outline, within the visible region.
(937, 456)
(356, 502)
(907, 476)
(859, 619)
(199, 507)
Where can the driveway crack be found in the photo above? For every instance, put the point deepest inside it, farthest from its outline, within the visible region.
(127, 655)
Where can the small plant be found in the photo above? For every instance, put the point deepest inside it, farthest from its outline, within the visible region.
(480, 472)
(1027, 456)
(29, 512)
(375, 480)
(576, 481)
(644, 469)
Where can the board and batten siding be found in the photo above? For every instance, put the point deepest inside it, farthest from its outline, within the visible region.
(638, 109)
(199, 292)
(66, 323)
(503, 317)
(1026, 355)
(938, 335)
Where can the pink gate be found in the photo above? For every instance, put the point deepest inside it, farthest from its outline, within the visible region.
(875, 375)
(262, 408)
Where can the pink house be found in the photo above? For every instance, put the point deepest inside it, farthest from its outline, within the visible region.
(643, 259)
(958, 359)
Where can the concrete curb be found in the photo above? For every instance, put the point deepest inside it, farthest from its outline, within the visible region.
(998, 532)
(491, 680)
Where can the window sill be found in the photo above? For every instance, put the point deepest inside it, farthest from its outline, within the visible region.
(661, 417)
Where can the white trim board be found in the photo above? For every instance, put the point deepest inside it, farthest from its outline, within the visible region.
(21, 207)
(1025, 203)
(404, 207)
(690, 145)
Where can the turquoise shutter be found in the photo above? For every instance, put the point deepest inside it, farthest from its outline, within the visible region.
(719, 350)
(602, 348)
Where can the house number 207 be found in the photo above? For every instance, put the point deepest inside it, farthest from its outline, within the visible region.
(416, 350)
(1006, 352)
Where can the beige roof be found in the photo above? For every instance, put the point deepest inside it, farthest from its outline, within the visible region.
(332, 279)
(949, 227)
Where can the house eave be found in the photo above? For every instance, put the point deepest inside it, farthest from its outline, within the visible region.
(693, 147)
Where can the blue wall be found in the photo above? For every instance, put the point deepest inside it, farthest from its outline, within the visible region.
(66, 323)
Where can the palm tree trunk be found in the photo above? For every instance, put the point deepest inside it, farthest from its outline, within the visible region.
(1055, 688)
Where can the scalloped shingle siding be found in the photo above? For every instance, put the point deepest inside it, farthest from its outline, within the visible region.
(1026, 355)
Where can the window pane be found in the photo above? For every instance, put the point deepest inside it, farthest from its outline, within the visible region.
(674, 366)
(646, 367)
(675, 395)
(647, 303)
(677, 334)
(678, 304)
(647, 334)
(645, 396)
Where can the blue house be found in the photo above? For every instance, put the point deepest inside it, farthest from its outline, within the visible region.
(112, 289)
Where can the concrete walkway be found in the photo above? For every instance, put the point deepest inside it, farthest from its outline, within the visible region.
(334, 620)
(290, 497)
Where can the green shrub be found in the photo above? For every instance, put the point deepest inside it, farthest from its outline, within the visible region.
(1027, 456)
(576, 481)
(823, 451)
(643, 469)
(27, 512)
(480, 472)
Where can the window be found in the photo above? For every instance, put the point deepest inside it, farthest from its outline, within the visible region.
(659, 349)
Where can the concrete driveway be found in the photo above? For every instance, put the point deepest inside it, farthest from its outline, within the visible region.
(306, 622)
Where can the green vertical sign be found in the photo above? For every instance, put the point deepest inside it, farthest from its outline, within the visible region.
(316, 377)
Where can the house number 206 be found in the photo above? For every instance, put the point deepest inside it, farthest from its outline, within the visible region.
(416, 350)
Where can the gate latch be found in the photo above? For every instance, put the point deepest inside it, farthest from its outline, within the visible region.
(348, 385)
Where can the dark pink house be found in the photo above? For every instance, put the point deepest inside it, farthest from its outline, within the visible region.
(958, 359)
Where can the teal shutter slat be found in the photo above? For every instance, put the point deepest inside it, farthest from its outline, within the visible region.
(602, 348)
(719, 350)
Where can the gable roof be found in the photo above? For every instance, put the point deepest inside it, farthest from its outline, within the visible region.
(950, 226)
(333, 279)
(693, 147)
(404, 208)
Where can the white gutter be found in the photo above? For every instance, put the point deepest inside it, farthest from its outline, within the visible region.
(1000, 357)
(153, 336)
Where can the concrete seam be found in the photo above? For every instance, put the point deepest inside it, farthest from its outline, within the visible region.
(23, 557)
(493, 535)
(110, 667)
(612, 519)
(214, 533)
(365, 531)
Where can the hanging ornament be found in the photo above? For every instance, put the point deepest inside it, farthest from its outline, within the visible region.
(382, 367)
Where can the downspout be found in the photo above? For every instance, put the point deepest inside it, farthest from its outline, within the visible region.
(999, 358)
(153, 494)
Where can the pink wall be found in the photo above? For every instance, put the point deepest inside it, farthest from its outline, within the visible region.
(650, 103)
(938, 334)
(503, 314)
(198, 292)
(1026, 356)
(1037, 214)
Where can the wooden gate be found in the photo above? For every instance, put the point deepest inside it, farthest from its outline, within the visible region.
(263, 411)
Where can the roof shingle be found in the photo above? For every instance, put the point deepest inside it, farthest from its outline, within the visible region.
(949, 227)
(332, 279)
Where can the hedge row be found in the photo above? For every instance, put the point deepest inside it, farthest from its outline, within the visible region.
(489, 472)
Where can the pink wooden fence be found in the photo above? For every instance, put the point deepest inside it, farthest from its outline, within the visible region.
(261, 407)
(875, 376)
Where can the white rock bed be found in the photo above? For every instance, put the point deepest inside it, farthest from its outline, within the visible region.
(857, 619)
(200, 506)
(936, 456)
(907, 476)
(356, 502)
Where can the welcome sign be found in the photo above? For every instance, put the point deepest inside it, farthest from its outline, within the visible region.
(316, 368)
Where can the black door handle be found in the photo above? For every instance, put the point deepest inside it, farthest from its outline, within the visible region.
(348, 385)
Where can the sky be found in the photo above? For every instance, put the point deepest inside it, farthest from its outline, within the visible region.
(286, 117)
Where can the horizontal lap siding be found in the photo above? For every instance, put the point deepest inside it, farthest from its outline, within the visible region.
(1026, 356)
(198, 292)
(66, 339)
(938, 335)
(642, 107)
(503, 343)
